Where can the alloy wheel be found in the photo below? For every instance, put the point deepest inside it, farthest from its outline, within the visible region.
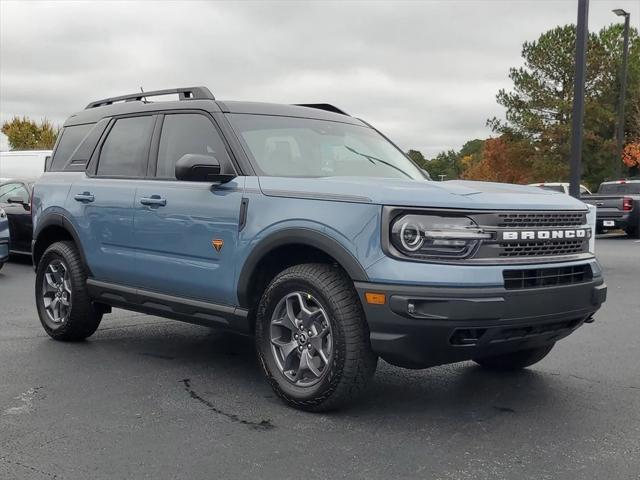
(56, 292)
(301, 339)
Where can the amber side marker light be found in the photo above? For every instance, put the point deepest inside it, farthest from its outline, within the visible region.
(375, 298)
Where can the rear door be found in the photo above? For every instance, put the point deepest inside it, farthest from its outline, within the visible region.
(186, 232)
(101, 203)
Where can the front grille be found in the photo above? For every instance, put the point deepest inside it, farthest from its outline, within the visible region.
(546, 277)
(541, 249)
(541, 219)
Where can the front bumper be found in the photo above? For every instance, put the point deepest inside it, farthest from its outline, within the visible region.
(419, 327)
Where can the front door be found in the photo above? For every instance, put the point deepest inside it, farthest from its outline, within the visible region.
(186, 232)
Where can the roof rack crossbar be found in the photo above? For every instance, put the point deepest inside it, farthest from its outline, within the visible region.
(323, 106)
(187, 93)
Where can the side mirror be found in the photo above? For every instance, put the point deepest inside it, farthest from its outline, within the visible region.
(20, 201)
(193, 167)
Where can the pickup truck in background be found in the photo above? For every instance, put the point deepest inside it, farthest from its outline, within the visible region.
(618, 206)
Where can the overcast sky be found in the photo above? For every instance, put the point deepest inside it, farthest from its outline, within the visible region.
(424, 72)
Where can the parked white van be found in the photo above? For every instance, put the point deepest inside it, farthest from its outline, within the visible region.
(23, 163)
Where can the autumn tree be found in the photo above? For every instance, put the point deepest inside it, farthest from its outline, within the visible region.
(26, 134)
(539, 106)
(503, 159)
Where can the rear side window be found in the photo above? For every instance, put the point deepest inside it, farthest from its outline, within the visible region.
(187, 133)
(69, 142)
(125, 151)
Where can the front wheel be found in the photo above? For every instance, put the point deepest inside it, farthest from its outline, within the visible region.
(312, 338)
(64, 307)
(515, 360)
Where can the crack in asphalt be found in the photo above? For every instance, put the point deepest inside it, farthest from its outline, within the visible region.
(262, 425)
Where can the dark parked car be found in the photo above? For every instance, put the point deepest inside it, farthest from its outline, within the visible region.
(618, 206)
(15, 196)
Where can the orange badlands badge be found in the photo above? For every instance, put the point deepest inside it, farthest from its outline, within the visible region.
(217, 244)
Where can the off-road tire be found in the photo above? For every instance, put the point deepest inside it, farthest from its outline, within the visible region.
(353, 363)
(83, 319)
(515, 360)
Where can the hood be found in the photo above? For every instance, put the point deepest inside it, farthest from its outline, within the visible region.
(421, 193)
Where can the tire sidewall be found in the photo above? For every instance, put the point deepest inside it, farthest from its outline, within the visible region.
(271, 298)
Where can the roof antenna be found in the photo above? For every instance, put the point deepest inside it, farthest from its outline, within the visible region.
(145, 98)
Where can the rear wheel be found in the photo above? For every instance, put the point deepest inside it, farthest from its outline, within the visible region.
(515, 360)
(64, 307)
(312, 338)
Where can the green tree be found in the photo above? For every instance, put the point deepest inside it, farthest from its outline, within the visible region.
(445, 163)
(26, 134)
(539, 106)
(418, 157)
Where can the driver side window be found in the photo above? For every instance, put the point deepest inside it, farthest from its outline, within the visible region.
(185, 133)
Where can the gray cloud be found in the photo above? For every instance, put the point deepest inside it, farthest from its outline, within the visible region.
(426, 73)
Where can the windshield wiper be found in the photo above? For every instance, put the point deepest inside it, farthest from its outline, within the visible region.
(373, 160)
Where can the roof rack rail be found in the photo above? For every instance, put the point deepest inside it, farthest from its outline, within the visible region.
(323, 106)
(187, 93)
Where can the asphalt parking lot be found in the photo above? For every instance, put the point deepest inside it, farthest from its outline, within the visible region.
(147, 397)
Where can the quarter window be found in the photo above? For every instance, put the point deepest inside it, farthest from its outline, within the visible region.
(125, 151)
(69, 142)
(187, 133)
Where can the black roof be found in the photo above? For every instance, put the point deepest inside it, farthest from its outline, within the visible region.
(200, 98)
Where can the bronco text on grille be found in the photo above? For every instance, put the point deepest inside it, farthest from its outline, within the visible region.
(533, 234)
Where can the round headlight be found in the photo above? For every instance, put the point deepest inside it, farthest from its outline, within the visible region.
(411, 237)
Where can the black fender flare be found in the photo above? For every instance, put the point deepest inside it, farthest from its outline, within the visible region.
(297, 236)
(60, 221)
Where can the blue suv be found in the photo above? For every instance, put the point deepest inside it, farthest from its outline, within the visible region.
(309, 229)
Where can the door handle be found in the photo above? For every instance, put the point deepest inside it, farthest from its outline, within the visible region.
(154, 201)
(85, 197)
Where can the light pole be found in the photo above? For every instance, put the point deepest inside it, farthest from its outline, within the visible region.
(623, 92)
(575, 161)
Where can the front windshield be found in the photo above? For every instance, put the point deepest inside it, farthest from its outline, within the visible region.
(302, 147)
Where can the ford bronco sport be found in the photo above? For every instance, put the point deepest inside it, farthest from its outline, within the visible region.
(309, 229)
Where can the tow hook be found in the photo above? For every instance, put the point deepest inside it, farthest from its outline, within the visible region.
(590, 320)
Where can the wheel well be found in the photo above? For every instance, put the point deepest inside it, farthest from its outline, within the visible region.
(279, 259)
(48, 236)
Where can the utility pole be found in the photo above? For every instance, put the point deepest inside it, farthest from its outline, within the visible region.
(582, 33)
(623, 91)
